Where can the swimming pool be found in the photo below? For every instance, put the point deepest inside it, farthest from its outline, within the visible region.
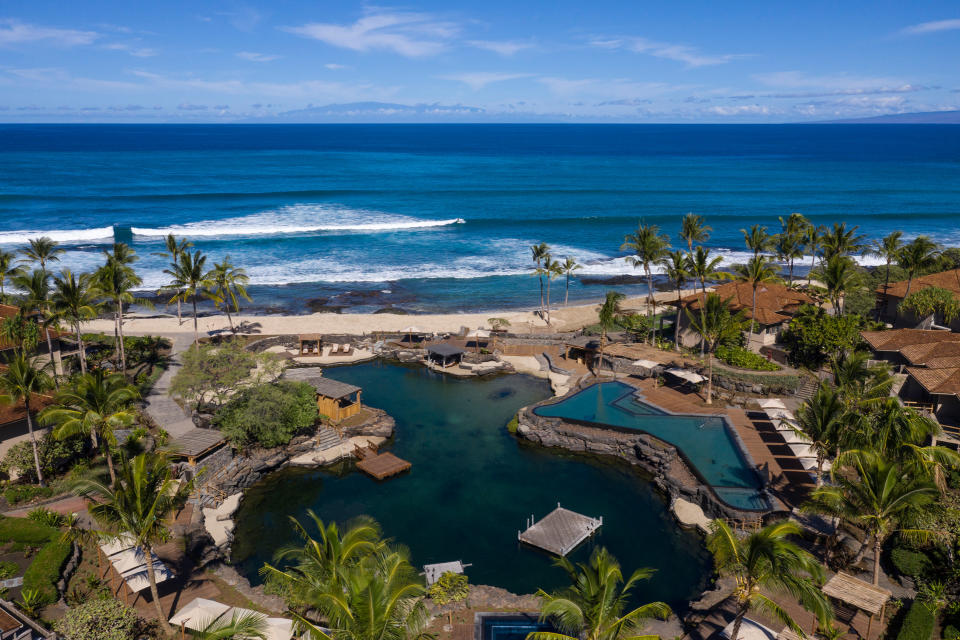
(508, 626)
(707, 442)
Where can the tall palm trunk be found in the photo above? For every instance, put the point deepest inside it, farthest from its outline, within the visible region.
(152, 578)
(548, 302)
(83, 355)
(703, 341)
(738, 620)
(819, 470)
(710, 376)
(109, 457)
(566, 295)
(646, 270)
(599, 365)
(179, 313)
(196, 331)
(33, 440)
(813, 262)
(122, 350)
(676, 323)
(791, 272)
(877, 546)
(226, 310)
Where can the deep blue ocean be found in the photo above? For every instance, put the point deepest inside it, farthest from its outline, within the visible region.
(441, 217)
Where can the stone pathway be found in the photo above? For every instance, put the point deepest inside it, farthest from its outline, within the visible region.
(160, 406)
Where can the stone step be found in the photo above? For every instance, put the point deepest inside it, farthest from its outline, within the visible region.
(807, 388)
(328, 438)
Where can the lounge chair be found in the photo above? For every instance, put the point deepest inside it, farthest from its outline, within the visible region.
(347, 348)
(334, 348)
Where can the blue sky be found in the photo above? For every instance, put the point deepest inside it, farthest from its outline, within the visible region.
(567, 61)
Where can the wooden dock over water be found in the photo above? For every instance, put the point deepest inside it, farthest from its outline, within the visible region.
(380, 465)
(560, 532)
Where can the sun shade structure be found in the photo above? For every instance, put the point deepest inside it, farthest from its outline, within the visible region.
(860, 594)
(336, 400)
(310, 344)
(750, 630)
(687, 376)
(444, 355)
(772, 403)
(432, 572)
(130, 564)
(200, 612)
(197, 444)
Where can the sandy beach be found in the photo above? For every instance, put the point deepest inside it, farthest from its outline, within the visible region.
(562, 319)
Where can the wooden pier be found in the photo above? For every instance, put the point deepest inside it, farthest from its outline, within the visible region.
(380, 465)
(560, 532)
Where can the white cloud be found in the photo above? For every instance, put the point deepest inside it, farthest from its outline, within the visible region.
(739, 110)
(803, 85)
(610, 90)
(16, 32)
(253, 56)
(409, 34)
(333, 66)
(932, 27)
(503, 47)
(691, 56)
(138, 52)
(479, 79)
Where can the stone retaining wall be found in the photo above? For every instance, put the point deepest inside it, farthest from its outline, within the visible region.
(661, 460)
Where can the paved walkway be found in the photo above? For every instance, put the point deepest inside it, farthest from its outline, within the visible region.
(160, 406)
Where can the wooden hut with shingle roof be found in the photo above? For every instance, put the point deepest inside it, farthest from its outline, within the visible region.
(890, 297)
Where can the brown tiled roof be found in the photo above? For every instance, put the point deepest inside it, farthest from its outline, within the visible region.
(776, 303)
(949, 280)
(8, 311)
(10, 413)
(916, 345)
(937, 381)
(942, 362)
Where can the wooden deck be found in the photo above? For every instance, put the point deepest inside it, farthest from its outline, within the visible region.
(383, 465)
(560, 532)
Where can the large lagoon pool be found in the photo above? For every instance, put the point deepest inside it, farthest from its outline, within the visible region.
(472, 486)
(707, 442)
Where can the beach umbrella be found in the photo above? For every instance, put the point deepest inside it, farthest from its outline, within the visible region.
(410, 331)
(476, 334)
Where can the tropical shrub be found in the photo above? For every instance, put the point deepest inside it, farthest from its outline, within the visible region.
(44, 571)
(449, 587)
(931, 301)
(8, 569)
(42, 515)
(17, 493)
(814, 335)
(213, 372)
(101, 619)
(919, 622)
(910, 563)
(950, 632)
(744, 359)
(514, 424)
(55, 455)
(268, 415)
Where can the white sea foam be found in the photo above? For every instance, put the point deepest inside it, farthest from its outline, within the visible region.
(297, 219)
(71, 236)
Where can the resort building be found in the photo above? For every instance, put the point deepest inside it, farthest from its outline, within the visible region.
(776, 305)
(13, 421)
(930, 360)
(336, 401)
(444, 355)
(890, 297)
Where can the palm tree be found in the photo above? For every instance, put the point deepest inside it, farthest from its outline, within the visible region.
(608, 315)
(917, 255)
(317, 563)
(704, 268)
(648, 246)
(888, 248)
(174, 249)
(74, 300)
(860, 385)
(18, 383)
(115, 281)
(676, 265)
(813, 240)
(20, 331)
(757, 239)
(241, 626)
(820, 420)
(714, 324)
(592, 607)
(539, 253)
(790, 241)
(551, 269)
(8, 269)
(95, 404)
(567, 267)
(42, 250)
(876, 493)
(228, 285)
(839, 276)
(768, 560)
(693, 230)
(758, 270)
(36, 285)
(137, 508)
(840, 241)
(189, 280)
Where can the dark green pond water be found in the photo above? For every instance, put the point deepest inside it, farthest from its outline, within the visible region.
(471, 488)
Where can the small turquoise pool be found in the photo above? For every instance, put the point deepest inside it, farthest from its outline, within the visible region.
(706, 442)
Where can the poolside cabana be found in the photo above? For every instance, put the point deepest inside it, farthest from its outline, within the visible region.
(686, 376)
(337, 400)
(858, 594)
(197, 445)
(129, 563)
(477, 335)
(201, 612)
(311, 344)
(444, 355)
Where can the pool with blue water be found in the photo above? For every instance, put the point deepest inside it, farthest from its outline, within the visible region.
(707, 442)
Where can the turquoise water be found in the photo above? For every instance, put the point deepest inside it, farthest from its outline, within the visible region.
(705, 441)
(472, 486)
(441, 217)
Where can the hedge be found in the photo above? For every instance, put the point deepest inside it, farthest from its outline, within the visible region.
(44, 572)
(744, 359)
(910, 563)
(919, 622)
